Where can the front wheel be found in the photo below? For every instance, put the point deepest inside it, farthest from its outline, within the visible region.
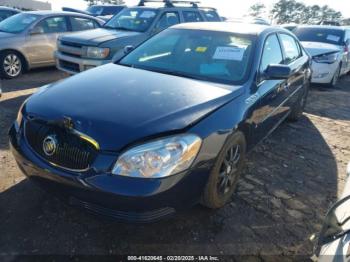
(11, 65)
(227, 169)
(336, 77)
(298, 109)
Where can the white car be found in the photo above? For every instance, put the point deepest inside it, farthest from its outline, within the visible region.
(334, 240)
(329, 47)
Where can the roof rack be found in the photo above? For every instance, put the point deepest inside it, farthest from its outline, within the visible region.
(170, 3)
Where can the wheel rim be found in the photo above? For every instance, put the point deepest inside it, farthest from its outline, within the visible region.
(12, 65)
(228, 170)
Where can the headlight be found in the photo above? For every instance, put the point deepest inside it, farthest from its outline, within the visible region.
(326, 58)
(160, 158)
(96, 52)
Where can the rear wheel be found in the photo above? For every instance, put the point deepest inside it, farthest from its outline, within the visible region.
(11, 64)
(223, 179)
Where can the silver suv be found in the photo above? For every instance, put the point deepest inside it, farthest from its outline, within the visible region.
(132, 26)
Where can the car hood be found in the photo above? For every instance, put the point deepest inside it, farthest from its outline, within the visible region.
(98, 36)
(317, 48)
(117, 105)
(4, 35)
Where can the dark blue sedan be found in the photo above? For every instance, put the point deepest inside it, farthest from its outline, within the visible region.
(167, 126)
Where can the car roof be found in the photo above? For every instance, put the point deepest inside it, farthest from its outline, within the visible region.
(329, 27)
(190, 8)
(9, 8)
(54, 13)
(230, 27)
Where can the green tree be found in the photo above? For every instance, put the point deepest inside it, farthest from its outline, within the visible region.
(257, 9)
(291, 11)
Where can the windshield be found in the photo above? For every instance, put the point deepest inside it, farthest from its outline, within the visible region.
(5, 14)
(95, 10)
(204, 55)
(323, 35)
(18, 23)
(133, 19)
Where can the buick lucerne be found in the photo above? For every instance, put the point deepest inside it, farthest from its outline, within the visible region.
(168, 125)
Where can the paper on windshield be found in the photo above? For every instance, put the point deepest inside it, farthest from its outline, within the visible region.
(147, 14)
(229, 53)
(333, 38)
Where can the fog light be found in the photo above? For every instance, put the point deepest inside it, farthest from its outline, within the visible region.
(321, 75)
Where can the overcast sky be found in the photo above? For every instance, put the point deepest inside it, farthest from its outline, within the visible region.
(228, 8)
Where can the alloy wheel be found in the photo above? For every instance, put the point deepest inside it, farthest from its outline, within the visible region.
(228, 170)
(12, 65)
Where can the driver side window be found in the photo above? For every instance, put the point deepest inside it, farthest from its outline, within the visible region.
(272, 54)
(168, 19)
(52, 25)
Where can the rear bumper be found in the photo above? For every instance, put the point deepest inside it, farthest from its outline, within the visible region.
(121, 198)
(73, 65)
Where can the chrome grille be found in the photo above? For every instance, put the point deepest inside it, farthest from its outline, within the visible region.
(72, 152)
(70, 48)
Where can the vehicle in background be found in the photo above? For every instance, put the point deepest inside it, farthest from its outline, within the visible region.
(329, 47)
(289, 27)
(168, 125)
(104, 12)
(6, 12)
(332, 23)
(132, 26)
(29, 39)
(249, 20)
(334, 239)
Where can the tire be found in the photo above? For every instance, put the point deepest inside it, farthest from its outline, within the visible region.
(335, 78)
(215, 195)
(11, 64)
(298, 109)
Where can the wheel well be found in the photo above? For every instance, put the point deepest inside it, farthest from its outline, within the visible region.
(23, 58)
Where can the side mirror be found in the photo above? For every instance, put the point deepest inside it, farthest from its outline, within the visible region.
(128, 49)
(37, 30)
(276, 72)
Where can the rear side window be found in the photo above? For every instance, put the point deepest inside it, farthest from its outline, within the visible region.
(80, 23)
(290, 47)
(192, 16)
(168, 19)
(211, 15)
(272, 53)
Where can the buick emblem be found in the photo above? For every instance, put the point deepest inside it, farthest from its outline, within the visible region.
(50, 145)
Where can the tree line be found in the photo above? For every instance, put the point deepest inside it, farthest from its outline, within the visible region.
(292, 11)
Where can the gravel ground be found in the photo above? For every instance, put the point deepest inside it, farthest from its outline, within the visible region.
(289, 183)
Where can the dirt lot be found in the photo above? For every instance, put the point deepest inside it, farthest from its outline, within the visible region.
(289, 183)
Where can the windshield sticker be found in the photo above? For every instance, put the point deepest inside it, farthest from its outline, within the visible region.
(229, 53)
(201, 49)
(147, 14)
(333, 38)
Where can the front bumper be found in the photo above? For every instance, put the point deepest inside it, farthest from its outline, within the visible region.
(122, 198)
(73, 65)
(323, 73)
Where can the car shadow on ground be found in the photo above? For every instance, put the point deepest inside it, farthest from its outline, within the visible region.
(335, 101)
(287, 186)
(32, 79)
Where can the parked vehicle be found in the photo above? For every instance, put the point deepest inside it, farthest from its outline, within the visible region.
(104, 12)
(132, 26)
(249, 20)
(166, 126)
(28, 40)
(334, 239)
(6, 12)
(329, 47)
(289, 27)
